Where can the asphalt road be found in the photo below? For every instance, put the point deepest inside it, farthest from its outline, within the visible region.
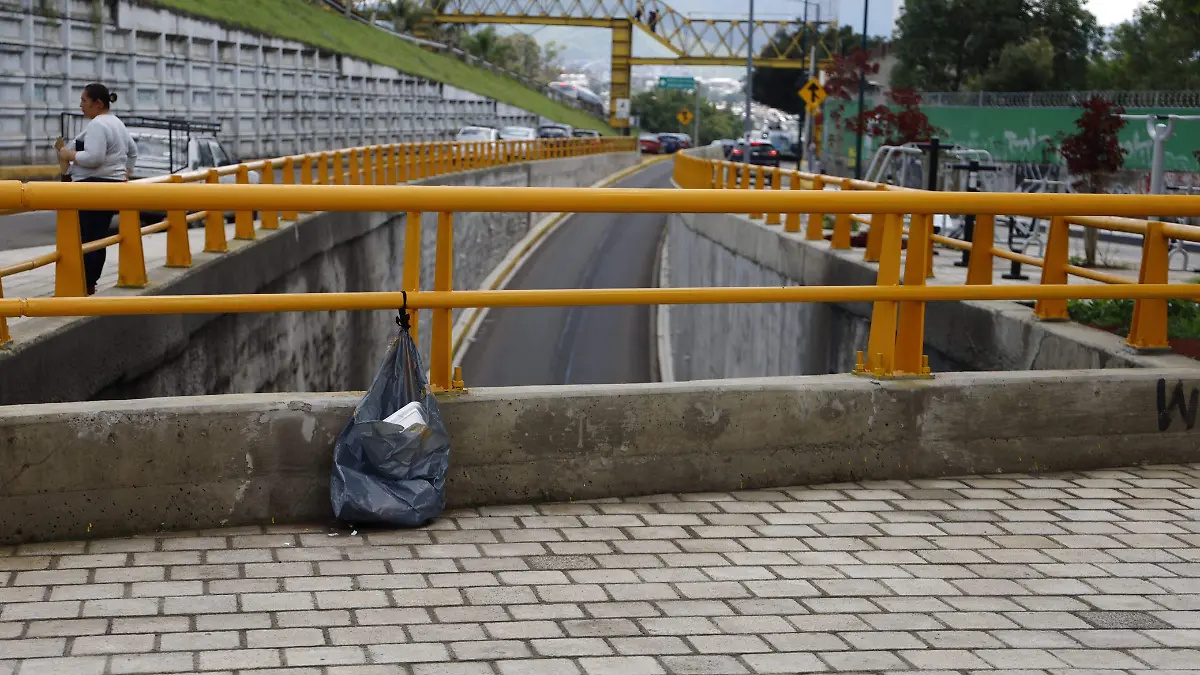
(577, 345)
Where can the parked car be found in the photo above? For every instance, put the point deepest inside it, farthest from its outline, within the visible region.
(585, 133)
(761, 153)
(199, 152)
(554, 131)
(649, 144)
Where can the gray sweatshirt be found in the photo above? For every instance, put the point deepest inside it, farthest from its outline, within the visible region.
(108, 150)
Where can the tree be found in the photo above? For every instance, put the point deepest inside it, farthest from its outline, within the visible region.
(1074, 37)
(1093, 154)
(1156, 50)
(1021, 67)
(941, 44)
(898, 123)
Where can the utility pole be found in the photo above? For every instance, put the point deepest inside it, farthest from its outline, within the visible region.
(696, 137)
(810, 118)
(862, 92)
(749, 83)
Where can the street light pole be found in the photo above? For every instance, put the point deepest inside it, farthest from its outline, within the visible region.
(749, 83)
(862, 92)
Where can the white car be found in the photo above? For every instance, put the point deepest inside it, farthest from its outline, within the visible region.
(475, 134)
(191, 153)
(517, 134)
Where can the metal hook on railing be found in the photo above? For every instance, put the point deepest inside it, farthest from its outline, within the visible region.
(402, 316)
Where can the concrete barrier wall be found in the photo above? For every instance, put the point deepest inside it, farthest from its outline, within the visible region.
(75, 470)
(174, 355)
(778, 339)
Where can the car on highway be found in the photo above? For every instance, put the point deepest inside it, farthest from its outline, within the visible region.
(159, 154)
(649, 144)
(517, 134)
(669, 143)
(685, 141)
(476, 134)
(761, 153)
(554, 131)
(585, 133)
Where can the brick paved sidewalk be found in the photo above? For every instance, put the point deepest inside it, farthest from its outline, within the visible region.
(1091, 573)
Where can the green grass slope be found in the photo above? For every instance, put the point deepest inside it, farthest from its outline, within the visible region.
(320, 26)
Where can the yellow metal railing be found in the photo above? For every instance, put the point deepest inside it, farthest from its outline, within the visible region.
(372, 165)
(897, 326)
(886, 235)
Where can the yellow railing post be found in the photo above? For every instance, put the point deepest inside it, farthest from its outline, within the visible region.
(792, 221)
(131, 259)
(270, 219)
(306, 172)
(380, 165)
(979, 266)
(179, 249)
(5, 336)
(402, 166)
(243, 221)
(880, 358)
(910, 332)
(1054, 269)
(875, 234)
(368, 166)
(1149, 327)
(323, 169)
(393, 167)
(776, 186)
(214, 222)
(841, 226)
(354, 178)
(731, 176)
(444, 159)
(339, 169)
(289, 178)
(68, 270)
(411, 274)
(814, 227)
(756, 184)
(443, 275)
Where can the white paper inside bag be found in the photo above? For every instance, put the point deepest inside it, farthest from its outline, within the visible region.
(407, 416)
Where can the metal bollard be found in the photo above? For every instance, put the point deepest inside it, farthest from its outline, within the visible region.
(1015, 270)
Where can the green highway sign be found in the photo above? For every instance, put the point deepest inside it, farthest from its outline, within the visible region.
(676, 83)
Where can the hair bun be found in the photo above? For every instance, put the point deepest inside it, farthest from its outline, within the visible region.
(112, 98)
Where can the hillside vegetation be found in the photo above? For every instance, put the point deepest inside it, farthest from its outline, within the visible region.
(317, 25)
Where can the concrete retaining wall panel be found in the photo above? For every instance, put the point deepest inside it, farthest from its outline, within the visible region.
(712, 249)
(136, 466)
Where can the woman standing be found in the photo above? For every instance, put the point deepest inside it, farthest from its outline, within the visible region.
(103, 152)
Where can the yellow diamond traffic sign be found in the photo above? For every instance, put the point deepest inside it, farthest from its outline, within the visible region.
(812, 93)
(685, 117)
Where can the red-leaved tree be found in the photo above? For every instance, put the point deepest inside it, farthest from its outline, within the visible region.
(1093, 154)
(899, 122)
(841, 77)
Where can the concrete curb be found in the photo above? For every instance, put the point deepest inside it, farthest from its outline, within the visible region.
(112, 468)
(468, 323)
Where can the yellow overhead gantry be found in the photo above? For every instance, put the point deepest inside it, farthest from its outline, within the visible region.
(694, 42)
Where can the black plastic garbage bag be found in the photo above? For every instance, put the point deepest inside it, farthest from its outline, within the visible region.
(382, 472)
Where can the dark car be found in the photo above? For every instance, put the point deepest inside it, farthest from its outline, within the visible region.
(761, 153)
(669, 143)
(554, 131)
(685, 141)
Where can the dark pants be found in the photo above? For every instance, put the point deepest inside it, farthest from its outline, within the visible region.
(94, 225)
